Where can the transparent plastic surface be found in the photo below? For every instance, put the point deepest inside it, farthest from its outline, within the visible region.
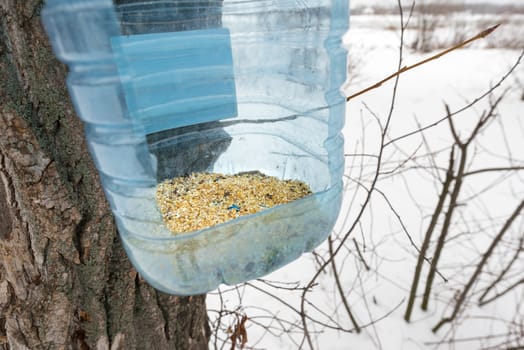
(288, 66)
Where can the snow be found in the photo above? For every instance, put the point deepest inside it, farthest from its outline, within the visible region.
(378, 296)
(356, 3)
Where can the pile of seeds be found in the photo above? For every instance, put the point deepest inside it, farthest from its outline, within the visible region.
(201, 200)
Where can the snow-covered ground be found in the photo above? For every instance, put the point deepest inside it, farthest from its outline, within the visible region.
(377, 297)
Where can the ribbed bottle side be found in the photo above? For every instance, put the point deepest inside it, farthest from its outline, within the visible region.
(288, 64)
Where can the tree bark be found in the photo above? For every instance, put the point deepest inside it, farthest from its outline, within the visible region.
(65, 281)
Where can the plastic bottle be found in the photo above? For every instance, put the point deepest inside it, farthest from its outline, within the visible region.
(258, 89)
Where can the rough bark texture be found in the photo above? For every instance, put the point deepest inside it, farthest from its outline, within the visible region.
(65, 281)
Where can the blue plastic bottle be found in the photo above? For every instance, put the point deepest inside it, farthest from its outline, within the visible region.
(168, 88)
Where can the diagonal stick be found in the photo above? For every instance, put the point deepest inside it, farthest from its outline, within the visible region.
(404, 69)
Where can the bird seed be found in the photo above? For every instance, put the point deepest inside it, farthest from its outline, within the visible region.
(200, 200)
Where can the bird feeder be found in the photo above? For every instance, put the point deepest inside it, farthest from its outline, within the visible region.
(209, 89)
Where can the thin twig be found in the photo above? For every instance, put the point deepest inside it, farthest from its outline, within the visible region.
(499, 169)
(341, 289)
(366, 266)
(404, 69)
(504, 292)
(482, 298)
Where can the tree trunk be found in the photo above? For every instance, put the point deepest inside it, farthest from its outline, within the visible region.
(65, 281)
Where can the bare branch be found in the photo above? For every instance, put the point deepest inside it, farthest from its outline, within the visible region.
(482, 299)
(341, 289)
(446, 225)
(429, 233)
(404, 69)
(504, 292)
(456, 137)
(499, 169)
(465, 107)
(366, 266)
